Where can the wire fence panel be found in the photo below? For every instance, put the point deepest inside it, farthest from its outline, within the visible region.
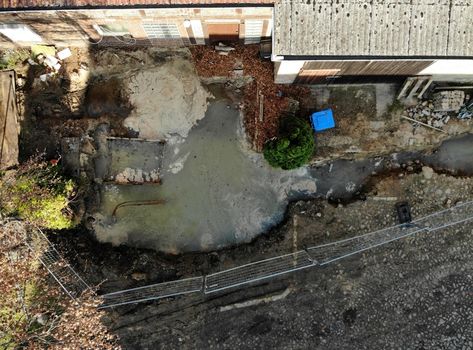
(327, 253)
(153, 292)
(257, 271)
(313, 256)
(56, 265)
(455, 215)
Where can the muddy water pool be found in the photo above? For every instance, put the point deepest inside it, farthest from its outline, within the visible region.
(217, 192)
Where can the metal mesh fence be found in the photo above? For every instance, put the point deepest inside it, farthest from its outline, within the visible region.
(330, 252)
(280, 265)
(257, 271)
(327, 253)
(56, 265)
(460, 213)
(254, 272)
(152, 292)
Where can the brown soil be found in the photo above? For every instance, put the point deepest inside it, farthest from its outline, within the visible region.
(276, 97)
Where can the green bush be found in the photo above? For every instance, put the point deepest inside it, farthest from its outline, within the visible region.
(294, 146)
(9, 59)
(38, 193)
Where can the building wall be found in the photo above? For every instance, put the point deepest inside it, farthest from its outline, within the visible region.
(312, 72)
(443, 67)
(146, 26)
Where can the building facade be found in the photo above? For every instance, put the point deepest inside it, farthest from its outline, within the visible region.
(136, 23)
(313, 41)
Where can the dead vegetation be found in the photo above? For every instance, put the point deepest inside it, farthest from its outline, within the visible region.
(264, 101)
(36, 314)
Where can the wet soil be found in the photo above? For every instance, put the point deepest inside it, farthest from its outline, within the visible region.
(106, 97)
(52, 113)
(217, 192)
(347, 303)
(315, 221)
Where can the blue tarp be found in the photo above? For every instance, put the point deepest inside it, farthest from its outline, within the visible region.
(322, 120)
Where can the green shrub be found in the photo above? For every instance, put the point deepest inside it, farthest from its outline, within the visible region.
(294, 146)
(9, 59)
(38, 193)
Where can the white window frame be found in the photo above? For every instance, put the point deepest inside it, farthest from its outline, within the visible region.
(15, 32)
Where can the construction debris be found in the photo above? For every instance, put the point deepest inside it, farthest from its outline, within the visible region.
(63, 54)
(466, 112)
(137, 176)
(423, 124)
(424, 113)
(448, 101)
(47, 56)
(224, 48)
(44, 50)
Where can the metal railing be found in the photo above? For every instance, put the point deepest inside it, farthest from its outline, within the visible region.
(314, 256)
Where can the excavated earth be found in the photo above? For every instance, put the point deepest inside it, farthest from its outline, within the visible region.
(412, 294)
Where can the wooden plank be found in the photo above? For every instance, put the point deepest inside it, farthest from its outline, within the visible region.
(407, 84)
(424, 89)
(415, 89)
(9, 127)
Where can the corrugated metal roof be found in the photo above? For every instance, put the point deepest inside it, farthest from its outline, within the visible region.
(49, 4)
(374, 27)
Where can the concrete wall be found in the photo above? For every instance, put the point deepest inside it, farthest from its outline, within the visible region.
(78, 27)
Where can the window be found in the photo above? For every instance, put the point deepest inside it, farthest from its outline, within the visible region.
(19, 33)
(253, 31)
(112, 29)
(168, 31)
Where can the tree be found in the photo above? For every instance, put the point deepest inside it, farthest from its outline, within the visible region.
(294, 146)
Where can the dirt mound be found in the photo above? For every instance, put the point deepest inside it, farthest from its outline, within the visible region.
(168, 99)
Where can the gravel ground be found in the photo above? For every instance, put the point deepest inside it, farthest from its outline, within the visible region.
(411, 294)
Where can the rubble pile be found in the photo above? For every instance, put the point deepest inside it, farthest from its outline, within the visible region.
(49, 58)
(437, 111)
(425, 112)
(448, 101)
(137, 176)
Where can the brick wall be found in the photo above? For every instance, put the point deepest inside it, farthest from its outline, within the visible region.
(149, 27)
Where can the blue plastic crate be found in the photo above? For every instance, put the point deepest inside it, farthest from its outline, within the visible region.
(322, 120)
